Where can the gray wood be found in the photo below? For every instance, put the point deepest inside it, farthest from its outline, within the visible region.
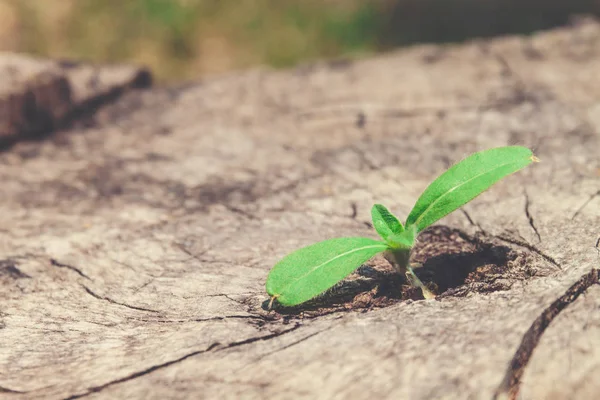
(134, 247)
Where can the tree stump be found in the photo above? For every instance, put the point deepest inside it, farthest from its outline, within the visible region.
(135, 240)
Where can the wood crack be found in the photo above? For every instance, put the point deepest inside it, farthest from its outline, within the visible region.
(96, 389)
(471, 221)
(220, 318)
(239, 211)
(213, 347)
(584, 205)
(4, 389)
(530, 217)
(287, 346)
(509, 388)
(521, 243)
(530, 247)
(97, 296)
(56, 263)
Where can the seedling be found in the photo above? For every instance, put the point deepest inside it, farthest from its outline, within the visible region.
(310, 271)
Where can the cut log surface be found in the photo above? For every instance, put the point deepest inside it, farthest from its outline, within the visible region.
(135, 244)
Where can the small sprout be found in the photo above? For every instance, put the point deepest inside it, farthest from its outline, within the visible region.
(404, 240)
(385, 223)
(311, 270)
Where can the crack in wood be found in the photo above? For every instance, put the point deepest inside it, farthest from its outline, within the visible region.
(219, 318)
(96, 389)
(287, 346)
(4, 389)
(354, 212)
(530, 247)
(471, 220)
(192, 255)
(97, 296)
(239, 211)
(521, 243)
(10, 267)
(56, 263)
(213, 347)
(588, 201)
(466, 214)
(510, 385)
(530, 217)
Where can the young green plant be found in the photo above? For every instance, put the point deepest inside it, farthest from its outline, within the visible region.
(311, 270)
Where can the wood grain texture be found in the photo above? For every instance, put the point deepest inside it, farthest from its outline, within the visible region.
(134, 247)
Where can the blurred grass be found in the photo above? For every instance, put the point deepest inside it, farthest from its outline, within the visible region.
(184, 39)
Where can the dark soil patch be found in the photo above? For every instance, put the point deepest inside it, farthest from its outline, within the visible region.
(453, 264)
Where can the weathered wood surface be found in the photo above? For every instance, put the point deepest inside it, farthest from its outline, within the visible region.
(134, 247)
(38, 96)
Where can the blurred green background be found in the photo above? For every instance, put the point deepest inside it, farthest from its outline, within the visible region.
(187, 39)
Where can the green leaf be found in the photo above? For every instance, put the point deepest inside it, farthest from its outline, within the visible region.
(466, 180)
(404, 240)
(307, 272)
(384, 222)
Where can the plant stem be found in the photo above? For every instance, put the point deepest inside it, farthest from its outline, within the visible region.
(400, 259)
(415, 281)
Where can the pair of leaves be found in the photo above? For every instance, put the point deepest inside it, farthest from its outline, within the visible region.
(307, 272)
